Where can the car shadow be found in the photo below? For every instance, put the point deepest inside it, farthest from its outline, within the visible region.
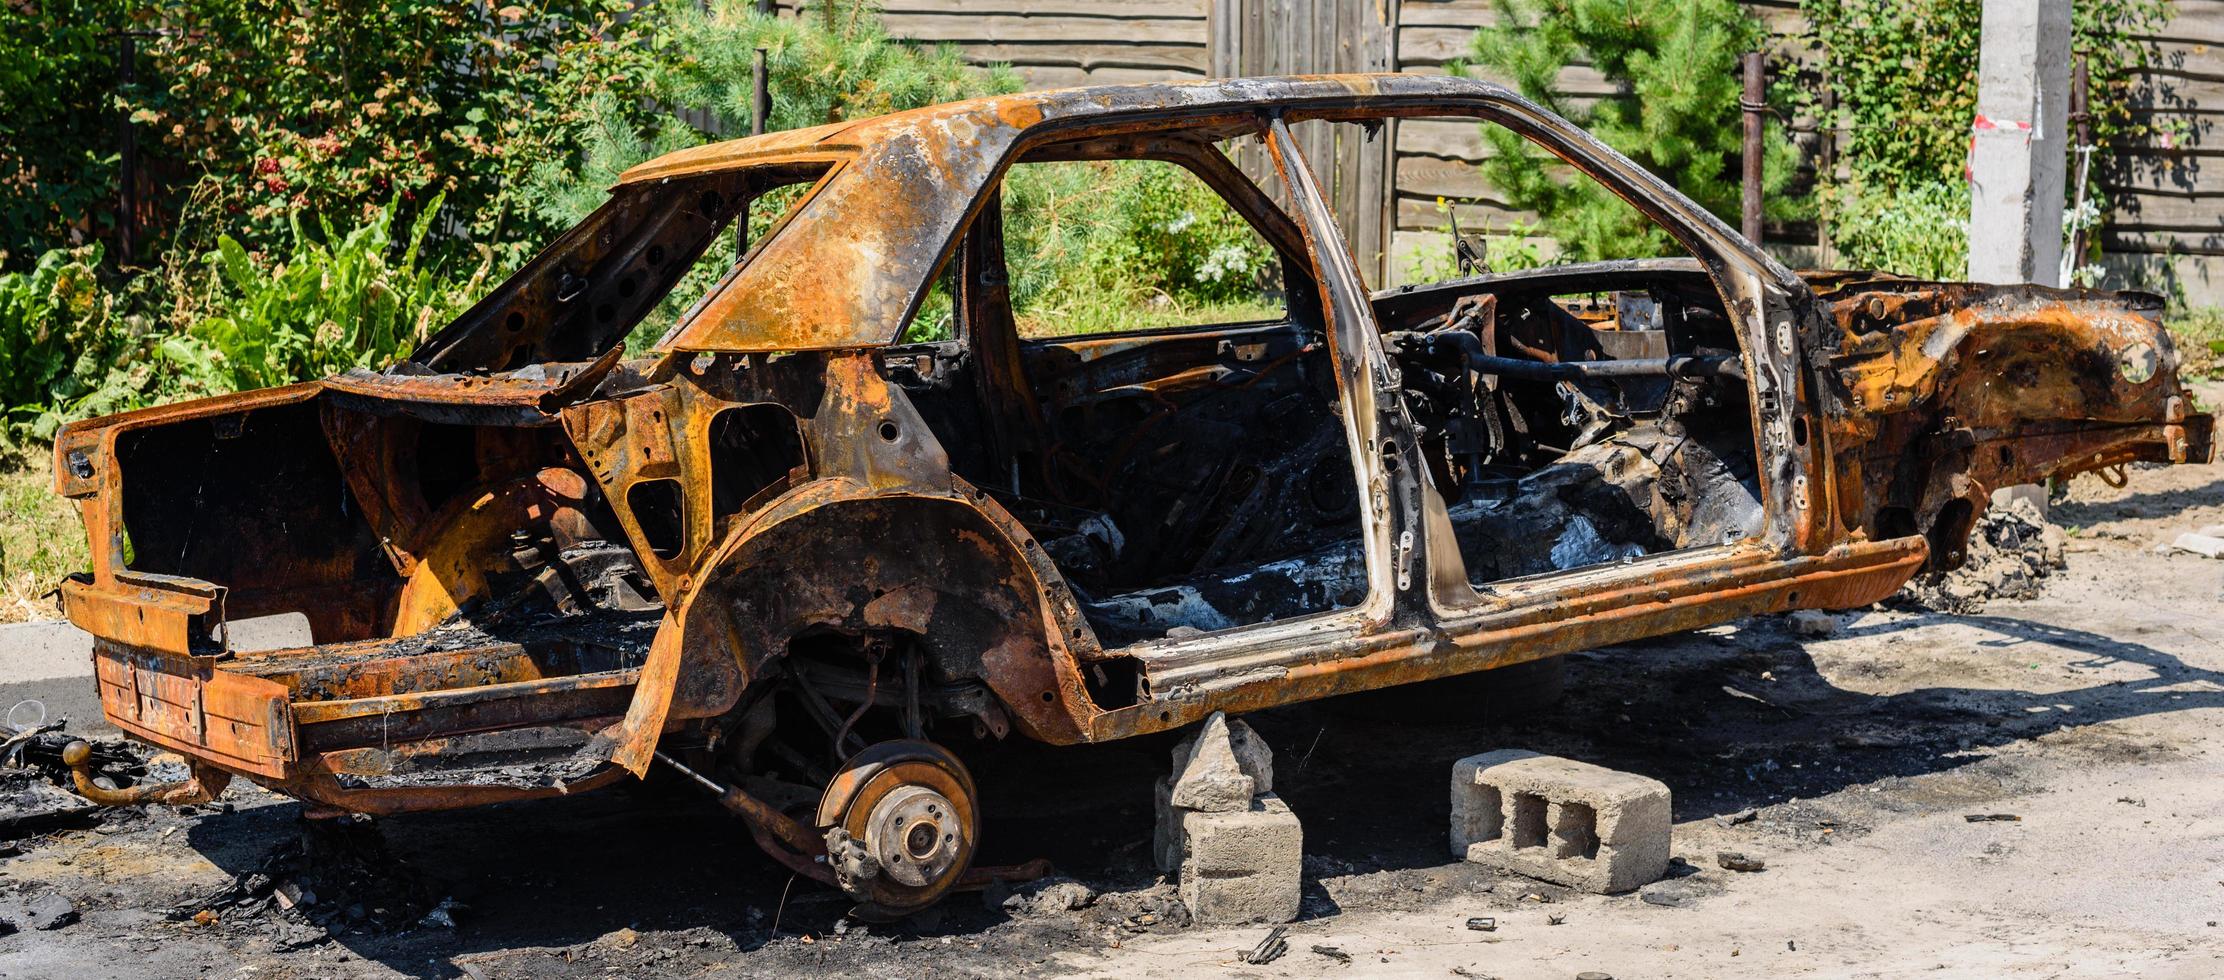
(1729, 722)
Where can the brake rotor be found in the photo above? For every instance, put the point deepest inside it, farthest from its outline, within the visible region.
(901, 826)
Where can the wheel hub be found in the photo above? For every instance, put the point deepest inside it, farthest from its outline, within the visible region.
(909, 806)
(914, 833)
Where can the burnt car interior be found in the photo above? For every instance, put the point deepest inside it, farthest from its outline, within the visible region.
(1195, 479)
(1579, 414)
(1154, 462)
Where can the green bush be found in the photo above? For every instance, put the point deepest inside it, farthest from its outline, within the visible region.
(1127, 244)
(1904, 73)
(1919, 230)
(58, 149)
(1675, 65)
(2199, 334)
(833, 61)
(359, 299)
(338, 109)
(73, 346)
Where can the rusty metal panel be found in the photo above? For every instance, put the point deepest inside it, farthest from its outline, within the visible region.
(235, 721)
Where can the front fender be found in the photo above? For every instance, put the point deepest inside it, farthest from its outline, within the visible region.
(1950, 391)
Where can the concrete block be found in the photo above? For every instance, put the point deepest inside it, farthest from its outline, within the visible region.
(1211, 779)
(1560, 820)
(1222, 766)
(1241, 866)
(1166, 835)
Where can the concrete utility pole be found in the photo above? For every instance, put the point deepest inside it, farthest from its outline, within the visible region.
(2017, 153)
(2020, 142)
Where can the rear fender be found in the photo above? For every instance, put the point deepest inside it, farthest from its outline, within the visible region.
(967, 581)
(883, 538)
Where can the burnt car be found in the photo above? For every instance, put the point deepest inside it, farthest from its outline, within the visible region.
(816, 545)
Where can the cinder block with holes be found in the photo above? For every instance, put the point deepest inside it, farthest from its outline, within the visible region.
(1560, 820)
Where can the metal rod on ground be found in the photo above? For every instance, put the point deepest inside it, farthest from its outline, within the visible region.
(1755, 105)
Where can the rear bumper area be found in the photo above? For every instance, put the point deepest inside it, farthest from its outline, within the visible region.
(452, 716)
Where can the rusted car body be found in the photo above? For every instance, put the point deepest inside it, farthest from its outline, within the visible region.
(797, 554)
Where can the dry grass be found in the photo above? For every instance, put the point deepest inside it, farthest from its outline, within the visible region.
(41, 539)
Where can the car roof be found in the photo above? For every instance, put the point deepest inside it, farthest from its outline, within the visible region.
(847, 267)
(1025, 110)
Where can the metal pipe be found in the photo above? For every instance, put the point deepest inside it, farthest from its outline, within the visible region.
(766, 823)
(1755, 105)
(1673, 366)
(1676, 366)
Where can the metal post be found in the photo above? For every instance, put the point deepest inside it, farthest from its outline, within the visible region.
(127, 197)
(760, 97)
(1755, 105)
(1826, 170)
(2081, 117)
(760, 116)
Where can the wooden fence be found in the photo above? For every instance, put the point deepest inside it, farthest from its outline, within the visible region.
(2167, 229)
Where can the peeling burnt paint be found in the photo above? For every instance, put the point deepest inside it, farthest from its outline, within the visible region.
(790, 538)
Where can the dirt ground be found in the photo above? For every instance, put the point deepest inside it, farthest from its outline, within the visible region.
(2089, 712)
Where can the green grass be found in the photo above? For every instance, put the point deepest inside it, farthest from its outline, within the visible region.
(1099, 316)
(41, 539)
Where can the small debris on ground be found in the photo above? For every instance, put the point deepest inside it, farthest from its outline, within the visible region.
(1992, 818)
(1483, 923)
(2198, 543)
(1333, 953)
(45, 913)
(1812, 622)
(1043, 896)
(337, 874)
(2012, 549)
(1269, 949)
(1678, 892)
(1739, 861)
(1740, 817)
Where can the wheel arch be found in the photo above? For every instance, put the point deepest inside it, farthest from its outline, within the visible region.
(953, 568)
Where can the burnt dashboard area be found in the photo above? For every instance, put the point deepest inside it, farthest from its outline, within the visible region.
(1578, 414)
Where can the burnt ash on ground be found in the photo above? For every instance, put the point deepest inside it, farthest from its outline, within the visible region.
(655, 878)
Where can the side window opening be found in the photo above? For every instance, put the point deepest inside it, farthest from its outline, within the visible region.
(1577, 389)
(1120, 246)
(1170, 430)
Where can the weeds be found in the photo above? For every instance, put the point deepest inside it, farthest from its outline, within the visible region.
(2199, 334)
(40, 538)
